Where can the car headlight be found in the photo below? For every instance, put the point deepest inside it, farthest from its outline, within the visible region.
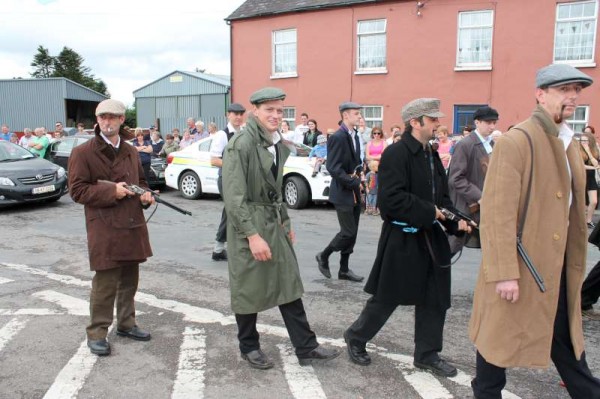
(5, 181)
(60, 172)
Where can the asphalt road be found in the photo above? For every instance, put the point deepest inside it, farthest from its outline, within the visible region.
(183, 300)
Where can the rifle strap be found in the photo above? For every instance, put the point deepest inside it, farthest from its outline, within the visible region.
(527, 194)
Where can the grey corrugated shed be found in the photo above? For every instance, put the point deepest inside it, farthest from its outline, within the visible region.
(191, 83)
(40, 102)
(257, 8)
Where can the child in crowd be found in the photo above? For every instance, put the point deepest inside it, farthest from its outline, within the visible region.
(371, 184)
(319, 152)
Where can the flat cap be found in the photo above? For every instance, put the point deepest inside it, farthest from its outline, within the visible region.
(561, 74)
(267, 94)
(485, 114)
(236, 107)
(349, 105)
(421, 107)
(110, 106)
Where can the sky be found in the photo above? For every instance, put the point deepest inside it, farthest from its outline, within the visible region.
(126, 43)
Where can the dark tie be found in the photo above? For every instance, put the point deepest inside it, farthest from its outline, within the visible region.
(274, 166)
(356, 145)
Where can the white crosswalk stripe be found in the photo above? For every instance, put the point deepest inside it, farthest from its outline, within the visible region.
(74, 306)
(5, 280)
(10, 329)
(189, 383)
(302, 380)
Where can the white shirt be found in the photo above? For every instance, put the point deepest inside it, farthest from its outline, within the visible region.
(24, 141)
(299, 133)
(566, 135)
(486, 141)
(219, 141)
(109, 142)
(271, 149)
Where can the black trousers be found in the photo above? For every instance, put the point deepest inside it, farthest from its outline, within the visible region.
(490, 380)
(294, 317)
(222, 230)
(348, 218)
(430, 318)
(590, 292)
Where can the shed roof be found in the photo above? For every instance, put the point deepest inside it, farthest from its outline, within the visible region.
(258, 8)
(70, 90)
(221, 80)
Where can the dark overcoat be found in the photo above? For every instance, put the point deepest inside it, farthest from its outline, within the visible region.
(116, 229)
(404, 262)
(341, 162)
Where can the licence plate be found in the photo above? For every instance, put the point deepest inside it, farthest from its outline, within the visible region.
(42, 190)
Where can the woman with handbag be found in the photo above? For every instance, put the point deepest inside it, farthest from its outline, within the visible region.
(590, 154)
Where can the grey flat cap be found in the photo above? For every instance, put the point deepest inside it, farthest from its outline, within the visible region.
(267, 94)
(561, 74)
(348, 105)
(236, 107)
(421, 107)
(110, 106)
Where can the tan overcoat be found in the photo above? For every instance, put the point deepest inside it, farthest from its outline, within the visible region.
(520, 334)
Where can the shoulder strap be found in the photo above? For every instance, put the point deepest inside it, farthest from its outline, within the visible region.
(524, 214)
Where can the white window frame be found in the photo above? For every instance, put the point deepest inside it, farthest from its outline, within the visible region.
(382, 69)
(584, 62)
(584, 122)
(274, 47)
(469, 66)
(290, 118)
(371, 122)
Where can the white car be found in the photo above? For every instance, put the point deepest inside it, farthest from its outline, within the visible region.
(190, 171)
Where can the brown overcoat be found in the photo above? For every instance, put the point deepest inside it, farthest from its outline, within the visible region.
(520, 334)
(116, 229)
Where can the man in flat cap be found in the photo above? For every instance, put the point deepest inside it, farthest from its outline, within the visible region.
(263, 269)
(99, 172)
(344, 164)
(535, 189)
(412, 266)
(467, 170)
(235, 117)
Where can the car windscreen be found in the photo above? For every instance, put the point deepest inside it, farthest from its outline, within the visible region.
(10, 152)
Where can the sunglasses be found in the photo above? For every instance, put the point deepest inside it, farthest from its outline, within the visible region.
(377, 134)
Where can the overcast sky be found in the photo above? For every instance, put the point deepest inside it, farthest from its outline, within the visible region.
(126, 43)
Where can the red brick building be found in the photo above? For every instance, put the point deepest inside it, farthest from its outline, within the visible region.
(383, 54)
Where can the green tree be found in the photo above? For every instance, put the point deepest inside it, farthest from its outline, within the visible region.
(131, 116)
(43, 63)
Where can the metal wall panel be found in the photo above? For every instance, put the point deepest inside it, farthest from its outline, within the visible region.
(214, 109)
(74, 91)
(180, 85)
(146, 111)
(188, 106)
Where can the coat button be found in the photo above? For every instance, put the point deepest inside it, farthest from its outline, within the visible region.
(130, 220)
(556, 237)
(559, 194)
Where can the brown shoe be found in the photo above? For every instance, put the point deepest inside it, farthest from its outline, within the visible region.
(590, 314)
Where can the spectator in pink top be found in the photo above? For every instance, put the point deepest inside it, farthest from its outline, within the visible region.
(376, 146)
(444, 145)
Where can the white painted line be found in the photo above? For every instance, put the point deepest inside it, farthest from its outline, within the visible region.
(508, 395)
(5, 280)
(462, 378)
(190, 312)
(303, 381)
(9, 330)
(74, 306)
(189, 382)
(52, 276)
(30, 312)
(72, 377)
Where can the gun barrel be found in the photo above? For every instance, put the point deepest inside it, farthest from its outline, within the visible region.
(174, 207)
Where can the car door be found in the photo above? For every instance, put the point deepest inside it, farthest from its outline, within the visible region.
(60, 151)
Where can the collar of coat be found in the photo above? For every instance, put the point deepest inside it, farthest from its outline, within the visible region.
(545, 119)
(257, 130)
(412, 143)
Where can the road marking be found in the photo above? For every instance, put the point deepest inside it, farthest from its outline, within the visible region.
(425, 383)
(189, 382)
(303, 381)
(30, 312)
(5, 280)
(72, 377)
(10, 329)
(74, 306)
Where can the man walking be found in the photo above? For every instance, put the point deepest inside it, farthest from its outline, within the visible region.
(467, 171)
(536, 170)
(235, 117)
(344, 165)
(263, 270)
(99, 172)
(412, 266)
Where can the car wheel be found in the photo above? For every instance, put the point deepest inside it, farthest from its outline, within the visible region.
(190, 186)
(296, 192)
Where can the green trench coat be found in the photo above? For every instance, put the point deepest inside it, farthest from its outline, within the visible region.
(253, 201)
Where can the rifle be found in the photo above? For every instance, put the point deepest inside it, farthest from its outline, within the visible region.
(140, 190)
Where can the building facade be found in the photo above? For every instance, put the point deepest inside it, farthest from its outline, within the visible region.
(383, 54)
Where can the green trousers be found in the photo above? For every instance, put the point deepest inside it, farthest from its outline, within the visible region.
(120, 285)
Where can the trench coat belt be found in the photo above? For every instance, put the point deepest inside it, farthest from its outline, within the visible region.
(276, 205)
(405, 227)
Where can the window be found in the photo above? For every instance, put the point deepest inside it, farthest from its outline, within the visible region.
(463, 116)
(284, 53)
(373, 115)
(579, 120)
(474, 48)
(289, 115)
(371, 45)
(575, 32)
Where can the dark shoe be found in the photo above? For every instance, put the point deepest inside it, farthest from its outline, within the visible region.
(100, 347)
(318, 354)
(349, 275)
(439, 367)
(357, 354)
(323, 265)
(219, 255)
(135, 333)
(258, 360)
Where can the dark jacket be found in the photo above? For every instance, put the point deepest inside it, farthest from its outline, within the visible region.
(341, 162)
(116, 229)
(311, 140)
(403, 262)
